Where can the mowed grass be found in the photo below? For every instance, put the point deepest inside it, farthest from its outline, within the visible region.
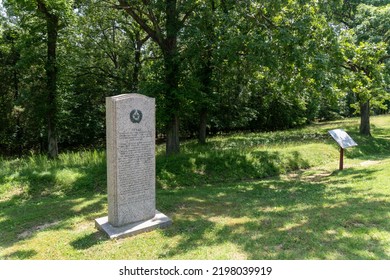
(272, 195)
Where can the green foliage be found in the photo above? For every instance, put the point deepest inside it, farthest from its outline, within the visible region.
(253, 65)
(366, 72)
(369, 79)
(362, 27)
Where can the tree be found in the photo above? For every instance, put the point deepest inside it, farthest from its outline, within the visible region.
(163, 21)
(207, 23)
(278, 61)
(365, 78)
(362, 27)
(54, 13)
(10, 130)
(52, 27)
(364, 48)
(105, 53)
(113, 45)
(215, 66)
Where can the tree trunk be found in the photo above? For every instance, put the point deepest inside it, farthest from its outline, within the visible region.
(206, 76)
(137, 62)
(15, 78)
(139, 42)
(365, 118)
(172, 144)
(51, 72)
(172, 103)
(52, 24)
(168, 45)
(202, 126)
(171, 63)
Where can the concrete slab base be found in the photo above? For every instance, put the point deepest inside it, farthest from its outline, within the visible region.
(158, 221)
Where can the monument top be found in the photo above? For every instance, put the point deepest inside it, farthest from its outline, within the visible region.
(128, 95)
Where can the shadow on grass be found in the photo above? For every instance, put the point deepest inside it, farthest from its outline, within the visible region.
(88, 241)
(374, 148)
(52, 191)
(23, 219)
(284, 219)
(21, 255)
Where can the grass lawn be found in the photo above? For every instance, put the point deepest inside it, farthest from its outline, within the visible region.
(272, 195)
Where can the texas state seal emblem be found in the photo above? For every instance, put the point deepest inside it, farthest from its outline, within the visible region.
(135, 116)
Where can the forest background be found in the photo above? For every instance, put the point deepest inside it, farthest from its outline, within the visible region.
(214, 66)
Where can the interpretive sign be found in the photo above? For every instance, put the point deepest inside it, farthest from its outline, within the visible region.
(342, 138)
(344, 141)
(131, 179)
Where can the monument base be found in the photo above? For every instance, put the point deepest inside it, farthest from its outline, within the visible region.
(158, 221)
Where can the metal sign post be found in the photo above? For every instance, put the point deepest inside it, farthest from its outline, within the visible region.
(344, 141)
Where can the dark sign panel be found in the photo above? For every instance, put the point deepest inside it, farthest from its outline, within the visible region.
(342, 138)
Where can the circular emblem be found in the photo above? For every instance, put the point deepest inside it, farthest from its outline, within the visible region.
(136, 116)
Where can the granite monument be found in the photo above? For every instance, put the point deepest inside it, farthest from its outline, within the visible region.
(130, 139)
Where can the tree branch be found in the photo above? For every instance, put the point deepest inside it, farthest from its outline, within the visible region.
(350, 66)
(384, 58)
(153, 33)
(187, 15)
